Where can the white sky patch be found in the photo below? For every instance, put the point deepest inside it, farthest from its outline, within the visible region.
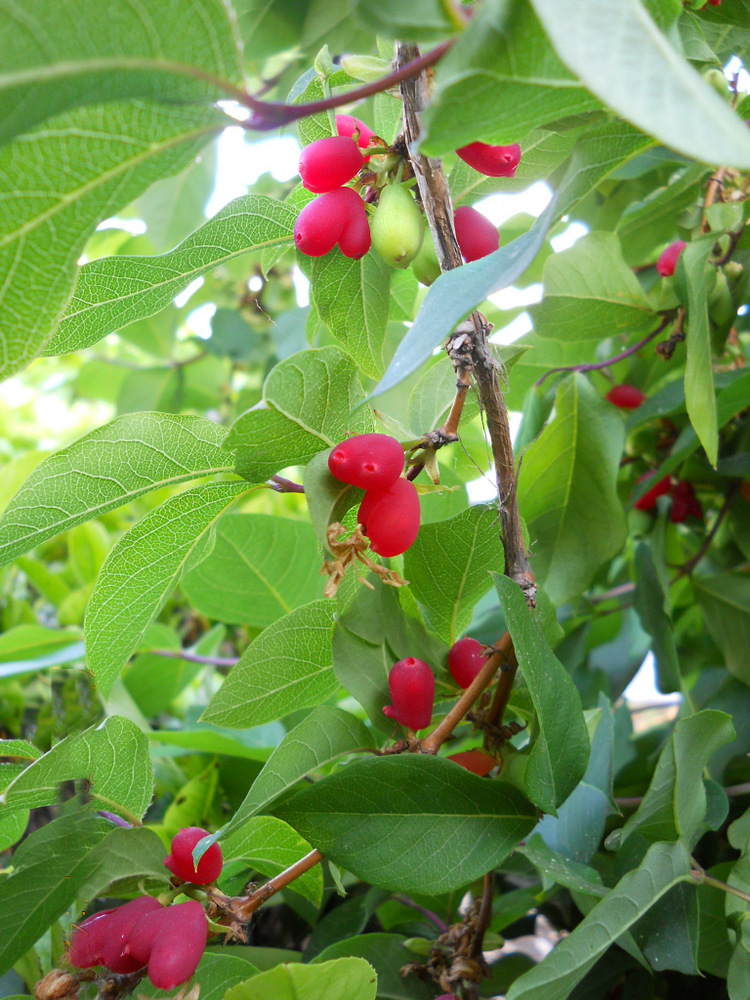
(642, 690)
(136, 227)
(241, 163)
(512, 297)
(199, 320)
(301, 287)
(500, 207)
(186, 294)
(568, 237)
(735, 66)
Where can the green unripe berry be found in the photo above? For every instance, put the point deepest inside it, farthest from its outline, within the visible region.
(425, 265)
(717, 81)
(397, 227)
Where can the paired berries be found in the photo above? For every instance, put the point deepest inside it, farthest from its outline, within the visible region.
(335, 217)
(626, 397)
(465, 660)
(389, 513)
(180, 859)
(476, 761)
(169, 940)
(328, 164)
(668, 258)
(476, 235)
(492, 161)
(411, 684)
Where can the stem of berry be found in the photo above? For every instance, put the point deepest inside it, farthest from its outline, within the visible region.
(245, 909)
(474, 350)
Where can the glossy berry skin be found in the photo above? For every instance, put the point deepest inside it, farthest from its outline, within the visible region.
(327, 164)
(492, 161)
(685, 503)
(347, 125)
(667, 261)
(626, 397)
(660, 489)
(476, 235)
(465, 660)
(370, 461)
(88, 939)
(412, 688)
(390, 518)
(476, 761)
(171, 941)
(101, 939)
(180, 860)
(337, 217)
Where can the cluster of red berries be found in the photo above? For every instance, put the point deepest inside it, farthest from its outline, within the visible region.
(685, 503)
(339, 214)
(168, 940)
(389, 513)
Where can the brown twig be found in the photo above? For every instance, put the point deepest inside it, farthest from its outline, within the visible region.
(432, 917)
(667, 347)
(610, 361)
(504, 649)
(485, 912)
(281, 485)
(714, 187)
(474, 350)
(243, 909)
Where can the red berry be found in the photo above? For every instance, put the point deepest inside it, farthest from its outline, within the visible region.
(492, 161)
(476, 761)
(465, 660)
(475, 233)
(685, 503)
(88, 939)
(337, 216)
(714, 3)
(667, 261)
(627, 397)
(390, 518)
(348, 125)
(326, 164)
(180, 861)
(172, 941)
(370, 461)
(660, 489)
(119, 925)
(412, 687)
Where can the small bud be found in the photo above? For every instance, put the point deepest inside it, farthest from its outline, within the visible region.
(323, 64)
(56, 985)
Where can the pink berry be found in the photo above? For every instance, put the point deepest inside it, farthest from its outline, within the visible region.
(390, 518)
(180, 860)
(465, 660)
(347, 125)
(627, 397)
(338, 216)
(660, 489)
(685, 503)
(411, 684)
(476, 761)
(326, 164)
(119, 926)
(171, 941)
(492, 161)
(370, 461)
(88, 939)
(667, 261)
(476, 235)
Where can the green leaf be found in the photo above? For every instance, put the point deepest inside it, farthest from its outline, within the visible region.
(352, 298)
(37, 644)
(154, 681)
(114, 291)
(163, 53)
(341, 979)
(271, 846)
(700, 395)
(387, 955)
(143, 569)
(261, 567)
(502, 79)
(49, 210)
(114, 758)
(724, 600)
(420, 20)
(652, 606)
(559, 756)
(109, 467)
(448, 567)
(411, 823)
(432, 397)
(456, 293)
(571, 874)
(642, 77)
(328, 499)
(286, 668)
(664, 865)
(674, 806)
(325, 735)
(308, 398)
(216, 973)
(568, 478)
